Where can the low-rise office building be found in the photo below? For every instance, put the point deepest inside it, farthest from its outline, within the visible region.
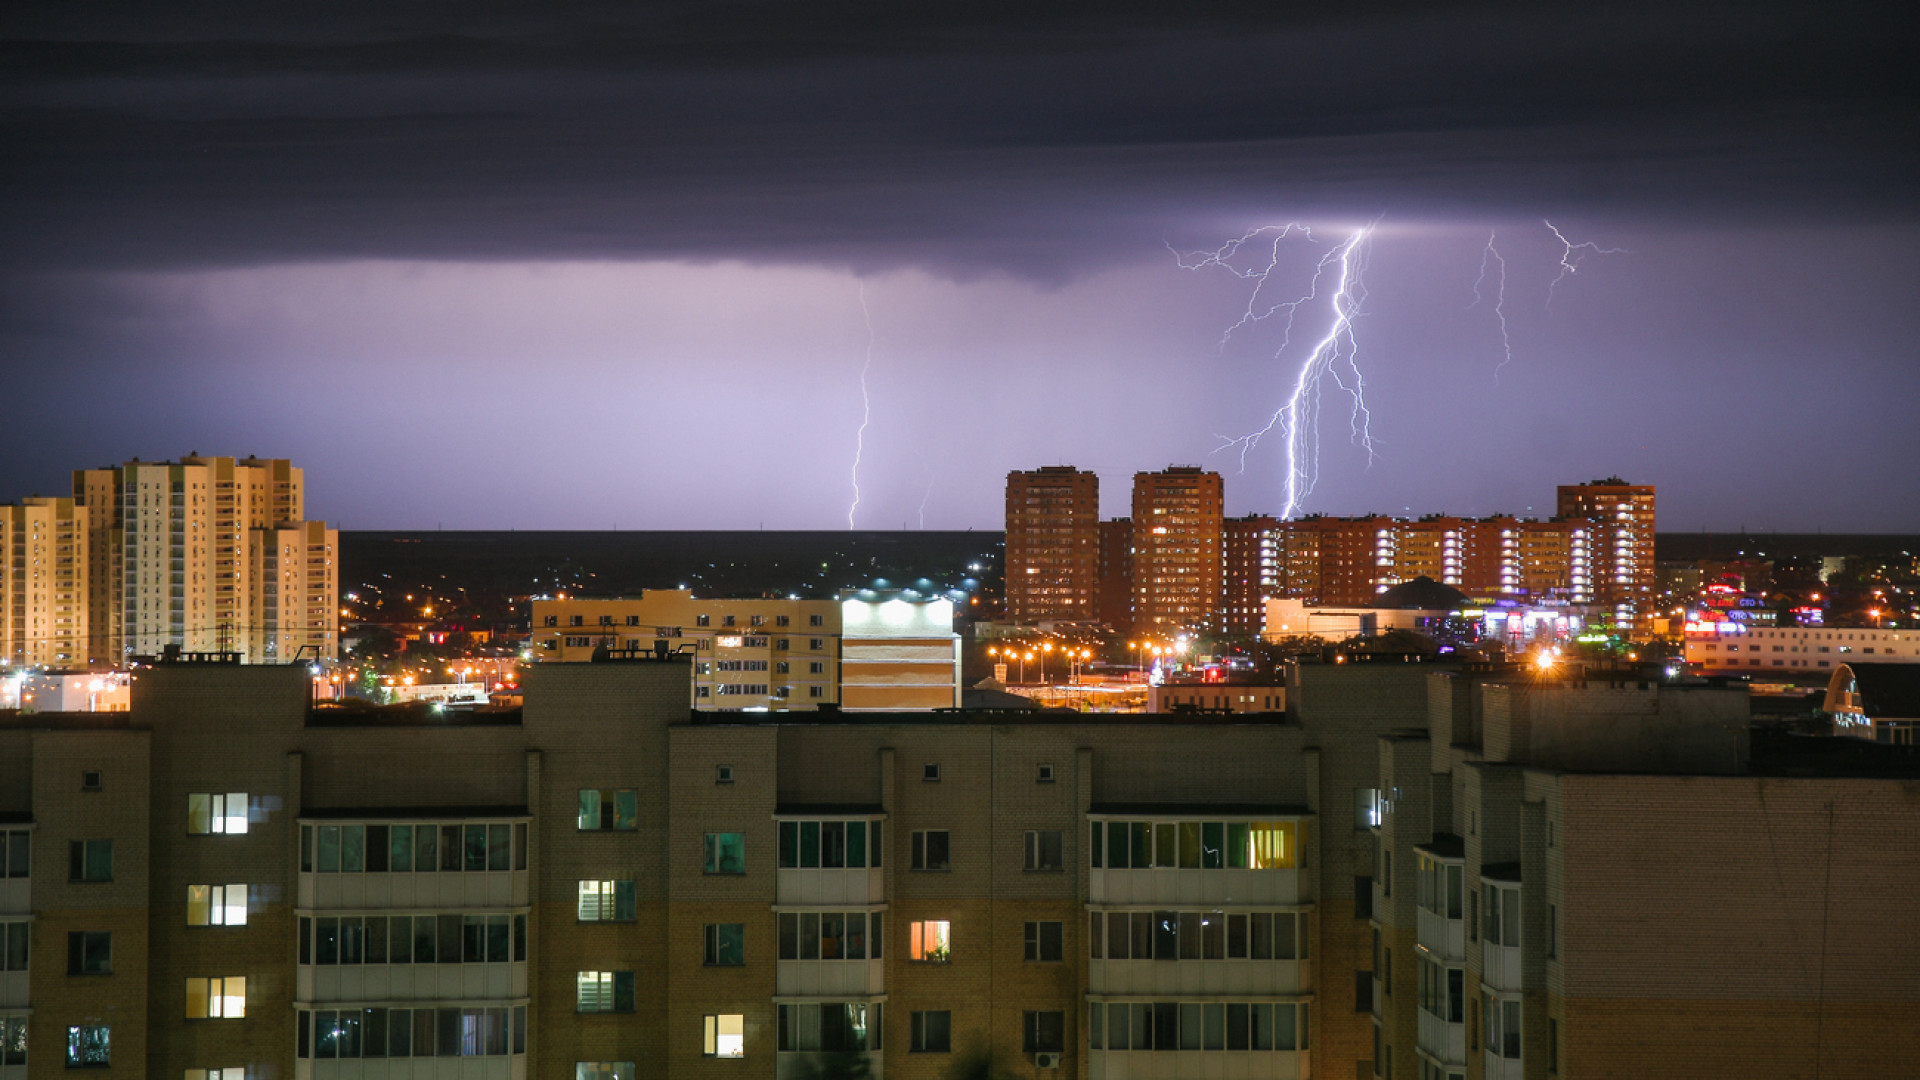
(868, 650)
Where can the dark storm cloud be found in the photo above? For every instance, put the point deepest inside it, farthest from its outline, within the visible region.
(492, 266)
(975, 137)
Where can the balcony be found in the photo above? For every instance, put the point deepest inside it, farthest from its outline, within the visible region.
(1444, 1042)
(1160, 978)
(1179, 1064)
(839, 979)
(321, 984)
(808, 885)
(1500, 966)
(1444, 938)
(801, 1064)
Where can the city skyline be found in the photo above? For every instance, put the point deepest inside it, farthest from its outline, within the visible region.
(625, 270)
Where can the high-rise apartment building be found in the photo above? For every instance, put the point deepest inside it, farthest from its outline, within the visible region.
(1177, 549)
(1116, 574)
(1253, 571)
(1621, 547)
(1053, 544)
(177, 548)
(1555, 878)
(43, 584)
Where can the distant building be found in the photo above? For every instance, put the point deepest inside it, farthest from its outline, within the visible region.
(1793, 653)
(1621, 546)
(867, 650)
(1253, 571)
(1116, 574)
(201, 555)
(1177, 549)
(1880, 702)
(43, 584)
(1053, 544)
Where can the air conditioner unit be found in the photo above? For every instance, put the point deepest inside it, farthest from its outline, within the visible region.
(1046, 1061)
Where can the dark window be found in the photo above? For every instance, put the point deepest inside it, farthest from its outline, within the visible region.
(931, 850)
(932, 1031)
(726, 944)
(90, 860)
(1044, 941)
(1044, 1032)
(1363, 897)
(89, 952)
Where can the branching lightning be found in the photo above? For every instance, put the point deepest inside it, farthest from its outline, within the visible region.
(1499, 302)
(866, 407)
(1334, 355)
(1569, 263)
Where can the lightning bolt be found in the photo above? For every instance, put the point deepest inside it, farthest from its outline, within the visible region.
(1569, 264)
(1500, 299)
(866, 407)
(926, 495)
(1334, 355)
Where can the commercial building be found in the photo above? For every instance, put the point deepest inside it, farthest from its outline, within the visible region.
(1053, 544)
(1177, 545)
(870, 649)
(1795, 652)
(43, 584)
(604, 884)
(1600, 875)
(207, 554)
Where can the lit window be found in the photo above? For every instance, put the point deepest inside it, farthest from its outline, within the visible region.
(216, 813)
(607, 901)
(216, 905)
(725, 1035)
(604, 991)
(603, 1070)
(930, 941)
(88, 1047)
(217, 999)
(238, 1073)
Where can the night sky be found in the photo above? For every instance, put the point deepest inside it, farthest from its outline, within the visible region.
(477, 268)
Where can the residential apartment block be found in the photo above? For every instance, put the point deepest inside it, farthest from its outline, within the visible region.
(43, 584)
(1603, 876)
(1177, 549)
(869, 650)
(1053, 544)
(231, 880)
(207, 554)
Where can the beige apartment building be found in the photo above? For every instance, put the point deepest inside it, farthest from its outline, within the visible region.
(603, 883)
(1598, 876)
(207, 554)
(868, 650)
(1621, 544)
(43, 584)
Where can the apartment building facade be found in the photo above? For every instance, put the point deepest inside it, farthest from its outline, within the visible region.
(1595, 876)
(1624, 577)
(1053, 544)
(207, 554)
(603, 884)
(43, 584)
(1177, 549)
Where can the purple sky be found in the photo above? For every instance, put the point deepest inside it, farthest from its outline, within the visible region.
(605, 271)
